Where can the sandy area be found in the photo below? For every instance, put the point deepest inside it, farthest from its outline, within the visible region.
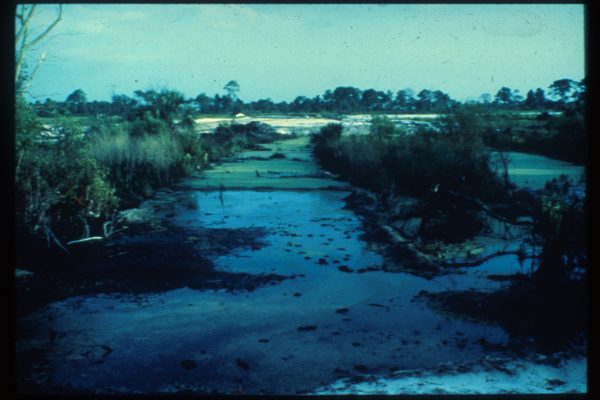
(490, 376)
(288, 125)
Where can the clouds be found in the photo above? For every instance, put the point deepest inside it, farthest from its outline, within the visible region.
(286, 50)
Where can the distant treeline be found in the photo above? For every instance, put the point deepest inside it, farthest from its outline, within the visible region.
(342, 100)
(73, 174)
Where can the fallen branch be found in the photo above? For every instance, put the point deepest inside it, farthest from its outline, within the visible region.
(486, 209)
(88, 239)
(50, 234)
(398, 239)
(479, 261)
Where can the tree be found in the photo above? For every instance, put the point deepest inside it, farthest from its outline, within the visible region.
(317, 104)
(505, 97)
(328, 100)
(98, 108)
(535, 99)
(369, 100)
(23, 43)
(163, 104)
(76, 102)
(232, 88)
(517, 98)
(263, 105)
(222, 103)
(405, 99)
(388, 100)
(204, 102)
(581, 91)
(425, 100)
(441, 101)
(344, 99)
(563, 90)
(301, 103)
(123, 105)
(375, 100)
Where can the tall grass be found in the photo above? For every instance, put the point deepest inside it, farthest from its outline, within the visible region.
(137, 163)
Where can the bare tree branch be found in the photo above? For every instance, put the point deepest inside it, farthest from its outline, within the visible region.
(486, 209)
(87, 239)
(24, 20)
(20, 53)
(33, 73)
(22, 44)
(47, 31)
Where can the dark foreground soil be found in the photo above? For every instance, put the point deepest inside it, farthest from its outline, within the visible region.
(548, 319)
(139, 261)
(539, 315)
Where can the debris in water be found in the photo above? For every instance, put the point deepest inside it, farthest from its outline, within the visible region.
(307, 328)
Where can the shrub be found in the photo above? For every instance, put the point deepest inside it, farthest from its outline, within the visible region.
(429, 164)
(138, 162)
(561, 223)
(60, 187)
(228, 139)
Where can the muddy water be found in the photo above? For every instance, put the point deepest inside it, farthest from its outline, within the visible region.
(334, 320)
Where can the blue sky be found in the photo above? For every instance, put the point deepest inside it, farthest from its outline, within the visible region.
(280, 51)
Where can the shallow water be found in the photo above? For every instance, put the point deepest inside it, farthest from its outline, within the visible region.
(533, 171)
(289, 337)
(150, 335)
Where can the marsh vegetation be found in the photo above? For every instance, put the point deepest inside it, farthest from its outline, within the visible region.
(357, 241)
